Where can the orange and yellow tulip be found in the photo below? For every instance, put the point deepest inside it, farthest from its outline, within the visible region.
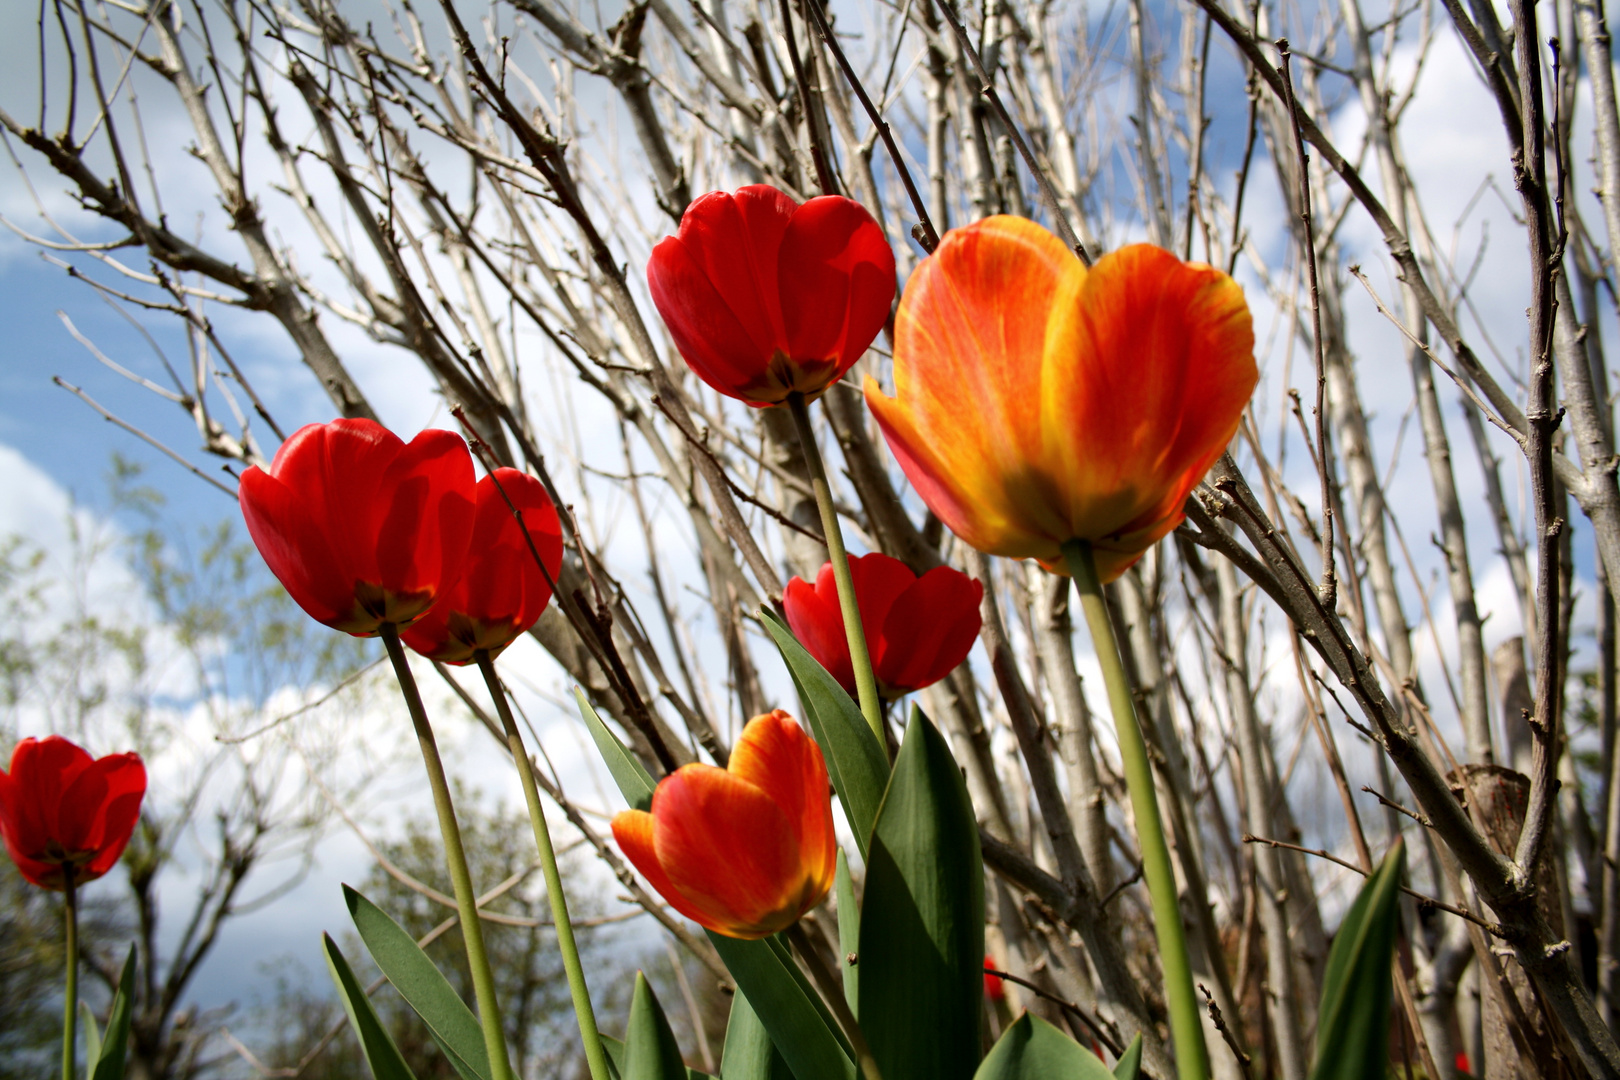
(1039, 402)
(744, 850)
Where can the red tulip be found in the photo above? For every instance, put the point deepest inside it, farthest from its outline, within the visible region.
(61, 808)
(995, 988)
(917, 628)
(743, 850)
(765, 297)
(500, 592)
(1038, 401)
(362, 528)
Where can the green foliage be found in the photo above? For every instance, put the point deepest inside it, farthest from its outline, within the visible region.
(1129, 1065)
(1033, 1049)
(381, 1052)
(1352, 1032)
(632, 778)
(450, 1022)
(539, 1020)
(650, 1052)
(922, 918)
(749, 1052)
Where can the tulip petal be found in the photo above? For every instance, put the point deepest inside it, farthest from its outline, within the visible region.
(1126, 449)
(297, 550)
(836, 274)
(715, 284)
(964, 422)
(937, 619)
(633, 829)
(814, 616)
(879, 581)
(774, 754)
(427, 519)
(44, 770)
(729, 849)
(334, 470)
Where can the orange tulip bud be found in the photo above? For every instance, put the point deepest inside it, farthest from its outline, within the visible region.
(744, 850)
(1038, 402)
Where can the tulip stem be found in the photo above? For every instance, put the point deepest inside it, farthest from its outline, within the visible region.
(472, 928)
(1192, 1057)
(860, 657)
(70, 1006)
(595, 1056)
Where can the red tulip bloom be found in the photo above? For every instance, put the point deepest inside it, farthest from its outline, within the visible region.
(500, 592)
(60, 808)
(743, 850)
(765, 297)
(362, 528)
(917, 628)
(995, 988)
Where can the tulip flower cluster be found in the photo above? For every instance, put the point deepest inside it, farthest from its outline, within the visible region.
(365, 529)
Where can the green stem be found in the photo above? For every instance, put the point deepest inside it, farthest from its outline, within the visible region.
(860, 657)
(472, 928)
(595, 1056)
(1192, 1057)
(70, 1007)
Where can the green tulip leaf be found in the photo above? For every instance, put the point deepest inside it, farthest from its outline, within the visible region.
(386, 1062)
(1129, 1065)
(615, 1055)
(632, 778)
(114, 1042)
(1032, 1049)
(1352, 1033)
(650, 1050)
(793, 1013)
(849, 933)
(856, 761)
(449, 1020)
(921, 953)
(749, 1053)
(92, 1039)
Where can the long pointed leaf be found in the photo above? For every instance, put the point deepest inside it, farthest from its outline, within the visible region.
(1032, 1049)
(1352, 1034)
(650, 1050)
(922, 920)
(849, 934)
(115, 1040)
(792, 1012)
(449, 1020)
(92, 1038)
(856, 761)
(382, 1054)
(749, 1053)
(632, 778)
(1129, 1064)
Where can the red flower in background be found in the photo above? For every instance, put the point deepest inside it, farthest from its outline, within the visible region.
(747, 849)
(917, 628)
(61, 808)
(361, 527)
(500, 592)
(995, 988)
(765, 297)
